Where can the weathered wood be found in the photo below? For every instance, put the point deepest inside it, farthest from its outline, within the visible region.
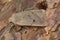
(7, 28)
